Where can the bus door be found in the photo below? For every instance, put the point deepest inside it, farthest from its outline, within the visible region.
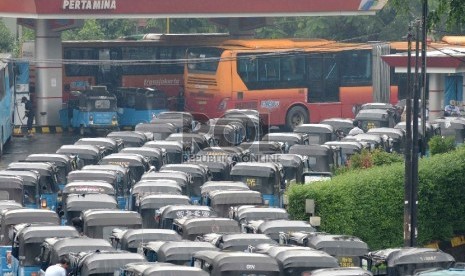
(109, 74)
(323, 78)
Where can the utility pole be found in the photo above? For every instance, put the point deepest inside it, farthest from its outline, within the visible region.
(415, 140)
(424, 84)
(408, 146)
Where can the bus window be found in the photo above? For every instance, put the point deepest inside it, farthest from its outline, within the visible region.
(247, 68)
(356, 68)
(268, 69)
(293, 68)
(74, 70)
(139, 53)
(204, 60)
(179, 54)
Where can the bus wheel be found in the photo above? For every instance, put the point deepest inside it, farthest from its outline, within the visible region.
(295, 117)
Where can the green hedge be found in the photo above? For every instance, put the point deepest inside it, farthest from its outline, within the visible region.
(369, 203)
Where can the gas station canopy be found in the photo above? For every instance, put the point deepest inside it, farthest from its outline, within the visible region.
(83, 9)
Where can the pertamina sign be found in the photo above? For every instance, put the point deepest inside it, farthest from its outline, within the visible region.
(89, 5)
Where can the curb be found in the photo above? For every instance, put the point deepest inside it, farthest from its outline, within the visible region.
(22, 130)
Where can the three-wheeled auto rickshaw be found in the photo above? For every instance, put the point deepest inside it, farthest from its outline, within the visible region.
(150, 204)
(110, 145)
(222, 201)
(179, 252)
(86, 154)
(161, 269)
(235, 263)
(136, 163)
(191, 142)
(130, 138)
(76, 203)
(11, 217)
(320, 158)
(139, 104)
(294, 165)
(407, 261)
(9, 204)
(209, 186)
(245, 214)
(199, 175)
(183, 179)
(48, 183)
(236, 154)
(219, 164)
(102, 263)
(262, 147)
(129, 240)
(174, 150)
(374, 118)
(28, 239)
(191, 228)
(343, 271)
(341, 126)
(101, 223)
(396, 137)
(125, 181)
(87, 187)
(12, 188)
(347, 149)
(147, 187)
(159, 131)
(53, 249)
(273, 228)
(95, 109)
(374, 141)
(167, 214)
(293, 261)
(183, 121)
(266, 178)
(317, 134)
(156, 157)
(287, 138)
(250, 119)
(348, 250)
(238, 242)
(94, 175)
(31, 188)
(226, 131)
(64, 163)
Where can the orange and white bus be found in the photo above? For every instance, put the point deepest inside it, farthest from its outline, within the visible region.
(288, 81)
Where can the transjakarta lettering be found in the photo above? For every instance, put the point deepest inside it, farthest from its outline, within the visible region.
(89, 4)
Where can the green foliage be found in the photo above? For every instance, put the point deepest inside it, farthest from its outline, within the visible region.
(369, 203)
(8, 40)
(381, 157)
(89, 31)
(439, 144)
(367, 159)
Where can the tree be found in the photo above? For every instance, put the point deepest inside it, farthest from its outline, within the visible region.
(8, 40)
(90, 30)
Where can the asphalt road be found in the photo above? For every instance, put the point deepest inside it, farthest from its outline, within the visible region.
(20, 147)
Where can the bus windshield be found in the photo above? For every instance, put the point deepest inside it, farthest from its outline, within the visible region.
(203, 59)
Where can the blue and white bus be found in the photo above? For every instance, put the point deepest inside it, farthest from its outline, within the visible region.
(6, 99)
